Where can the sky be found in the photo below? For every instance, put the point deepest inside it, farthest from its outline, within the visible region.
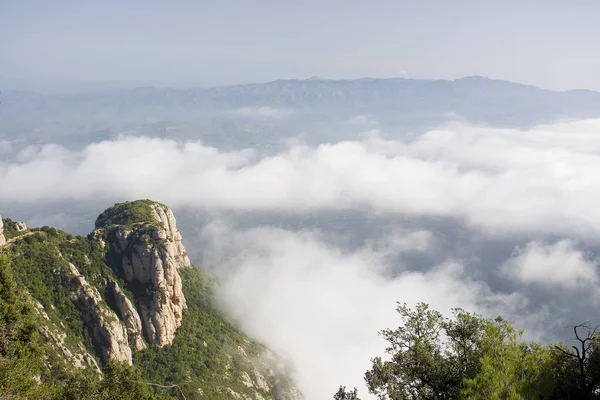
(546, 43)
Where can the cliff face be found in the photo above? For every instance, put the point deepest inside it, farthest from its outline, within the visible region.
(109, 333)
(129, 316)
(149, 252)
(2, 238)
(78, 357)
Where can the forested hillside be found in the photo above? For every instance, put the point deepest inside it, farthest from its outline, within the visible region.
(82, 318)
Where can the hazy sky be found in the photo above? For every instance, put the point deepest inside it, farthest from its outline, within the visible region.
(549, 43)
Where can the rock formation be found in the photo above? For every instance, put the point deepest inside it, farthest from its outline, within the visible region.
(149, 252)
(2, 238)
(78, 357)
(129, 316)
(109, 334)
(20, 226)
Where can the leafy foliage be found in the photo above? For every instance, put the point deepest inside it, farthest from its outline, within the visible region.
(422, 365)
(208, 354)
(10, 228)
(470, 357)
(127, 213)
(510, 368)
(342, 394)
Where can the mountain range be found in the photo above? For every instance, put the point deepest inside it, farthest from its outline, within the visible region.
(404, 104)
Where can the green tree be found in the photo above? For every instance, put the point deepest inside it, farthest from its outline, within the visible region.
(511, 369)
(21, 366)
(430, 355)
(342, 394)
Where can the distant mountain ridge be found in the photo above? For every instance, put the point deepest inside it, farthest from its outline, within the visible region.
(401, 103)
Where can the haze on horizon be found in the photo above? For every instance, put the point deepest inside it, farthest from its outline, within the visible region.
(122, 44)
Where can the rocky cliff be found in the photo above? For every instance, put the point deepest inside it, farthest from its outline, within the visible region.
(129, 316)
(148, 249)
(114, 298)
(2, 238)
(108, 331)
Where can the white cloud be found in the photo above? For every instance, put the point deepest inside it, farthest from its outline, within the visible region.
(559, 264)
(499, 180)
(322, 306)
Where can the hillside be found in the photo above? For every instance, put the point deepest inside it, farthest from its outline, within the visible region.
(120, 313)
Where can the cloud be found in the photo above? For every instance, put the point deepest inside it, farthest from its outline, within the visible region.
(559, 264)
(542, 180)
(321, 306)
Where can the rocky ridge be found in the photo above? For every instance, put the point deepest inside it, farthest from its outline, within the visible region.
(149, 252)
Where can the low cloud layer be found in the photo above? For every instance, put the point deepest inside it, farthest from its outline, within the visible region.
(498, 180)
(321, 306)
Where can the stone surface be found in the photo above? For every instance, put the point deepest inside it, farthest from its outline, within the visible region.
(150, 255)
(79, 357)
(109, 333)
(129, 316)
(2, 238)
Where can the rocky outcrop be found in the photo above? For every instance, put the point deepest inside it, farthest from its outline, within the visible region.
(149, 253)
(10, 230)
(129, 316)
(78, 357)
(109, 334)
(20, 226)
(2, 238)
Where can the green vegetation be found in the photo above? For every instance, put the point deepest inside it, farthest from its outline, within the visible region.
(39, 267)
(205, 357)
(209, 357)
(343, 394)
(40, 264)
(128, 214)
(470, 357)
(25, 375)
(10, 228)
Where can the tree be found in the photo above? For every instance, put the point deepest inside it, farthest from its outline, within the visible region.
(431, 356)
(342, 394)
(577, 369)
(510, 368)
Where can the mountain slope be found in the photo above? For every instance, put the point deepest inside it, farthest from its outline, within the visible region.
(124, 302)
